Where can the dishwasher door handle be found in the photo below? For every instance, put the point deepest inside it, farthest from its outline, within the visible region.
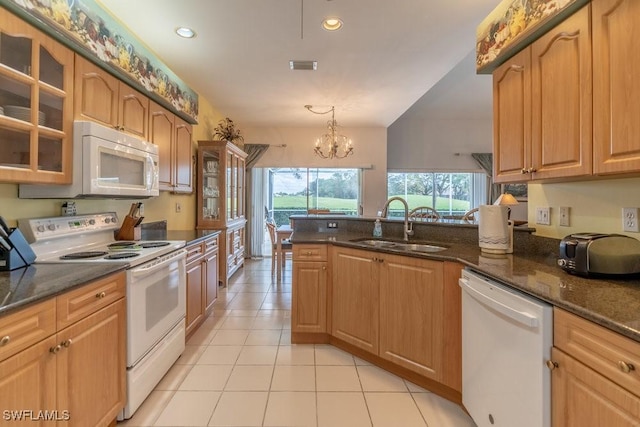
(519, 316)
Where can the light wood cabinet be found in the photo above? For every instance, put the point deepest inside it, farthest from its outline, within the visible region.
(356, 297)
(405, 310)
(411, 314)
(91, 367)
(211, 261)
(102, 98)
(512, 119)
(545, 128)
(616, 87)
(173, 136)
(595, 380)
(77, 373)
(36, 93)
(220, 200)
(195, 296)
(202, 281)
(309, 290)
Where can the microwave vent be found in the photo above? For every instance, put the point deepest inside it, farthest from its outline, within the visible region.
(303, 65)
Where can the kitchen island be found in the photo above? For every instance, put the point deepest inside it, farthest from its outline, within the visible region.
(532, 268)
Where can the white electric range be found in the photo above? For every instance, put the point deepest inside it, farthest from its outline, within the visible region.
(155, 294)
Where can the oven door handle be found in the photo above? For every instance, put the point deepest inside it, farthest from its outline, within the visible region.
(161, 262)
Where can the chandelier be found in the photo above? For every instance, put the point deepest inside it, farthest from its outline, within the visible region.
(331, 144)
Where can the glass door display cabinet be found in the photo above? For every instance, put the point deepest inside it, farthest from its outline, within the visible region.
(36, 104)
(220, 200)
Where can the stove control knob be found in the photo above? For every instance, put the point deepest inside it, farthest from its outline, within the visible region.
(51, 227)
(92, 221)
(41, 228)
(107, 220)
(113, 219)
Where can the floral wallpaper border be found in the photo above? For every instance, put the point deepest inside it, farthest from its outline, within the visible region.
(515, 23)
(87, 28)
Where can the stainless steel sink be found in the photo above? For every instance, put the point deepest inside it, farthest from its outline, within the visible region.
(378, 243)
(389, 244)
(421, 247)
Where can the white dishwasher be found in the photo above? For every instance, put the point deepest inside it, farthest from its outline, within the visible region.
(506, 341)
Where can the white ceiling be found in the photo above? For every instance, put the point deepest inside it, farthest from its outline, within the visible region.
(386, 57)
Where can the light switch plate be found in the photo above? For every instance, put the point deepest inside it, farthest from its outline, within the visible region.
(564, 216)
(543, 215)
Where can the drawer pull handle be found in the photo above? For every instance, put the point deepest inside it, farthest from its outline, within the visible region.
(101, 295)
(552, 365)
(308, 253)
(66, 343)
(626, 367)
(5, 340)
(55, 349)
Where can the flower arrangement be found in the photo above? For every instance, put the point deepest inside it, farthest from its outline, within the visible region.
(226, 131)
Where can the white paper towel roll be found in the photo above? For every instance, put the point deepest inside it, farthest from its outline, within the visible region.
(494, 230)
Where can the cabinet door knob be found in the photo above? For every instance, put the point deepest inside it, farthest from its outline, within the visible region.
(55, 349)
(324, 267)
(5, 340)
(626, 367)
(66, 343)
(532, 170)
(101, 295)
(552, 365)
(523, 171)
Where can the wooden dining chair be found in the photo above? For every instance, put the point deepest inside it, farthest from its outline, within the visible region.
(471, 215)
(285, 245)
(424, 213)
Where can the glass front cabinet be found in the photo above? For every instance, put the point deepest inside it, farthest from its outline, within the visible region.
(221, 199)
(36, 104)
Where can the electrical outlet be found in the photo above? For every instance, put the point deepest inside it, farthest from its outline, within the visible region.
(564, 216)
(332, 224)
(178, 207)
(543, 216)
(630, 220)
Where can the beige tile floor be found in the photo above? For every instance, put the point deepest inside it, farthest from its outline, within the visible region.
(240, 369)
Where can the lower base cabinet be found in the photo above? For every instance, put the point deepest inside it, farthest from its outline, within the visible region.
(202, 281)
(595, 379)
(77, 374)
(404, 312)
(309, 293)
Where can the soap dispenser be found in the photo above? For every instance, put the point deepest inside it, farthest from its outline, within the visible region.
(377, 228)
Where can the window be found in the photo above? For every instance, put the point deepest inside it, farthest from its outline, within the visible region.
(448, 193)
(293, 191)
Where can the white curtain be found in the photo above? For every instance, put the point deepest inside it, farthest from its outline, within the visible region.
(257, 198)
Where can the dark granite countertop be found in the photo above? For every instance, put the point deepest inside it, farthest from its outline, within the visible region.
(24, 286)
(612, 303)
(21, 287)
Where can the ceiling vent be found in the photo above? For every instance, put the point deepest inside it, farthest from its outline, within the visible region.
(303, 65)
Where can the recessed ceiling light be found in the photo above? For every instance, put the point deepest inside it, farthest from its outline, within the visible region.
(332, 24)
(185, 32)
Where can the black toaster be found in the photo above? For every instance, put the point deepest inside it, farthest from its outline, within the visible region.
(601, 254)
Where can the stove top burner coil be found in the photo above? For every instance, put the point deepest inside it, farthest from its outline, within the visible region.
(83, 255)
(154, 244)
(122, 255)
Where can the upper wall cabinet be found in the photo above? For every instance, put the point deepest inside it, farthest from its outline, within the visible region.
(616, 86)
(36, 107)
(173, 136)
(542, 112)
(102, 98)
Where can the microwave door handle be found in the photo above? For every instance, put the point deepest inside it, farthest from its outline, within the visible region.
(151, 167)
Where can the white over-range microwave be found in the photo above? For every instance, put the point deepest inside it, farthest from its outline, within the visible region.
(107, 163)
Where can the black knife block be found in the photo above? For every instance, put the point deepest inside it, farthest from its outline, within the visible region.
(20, 254)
